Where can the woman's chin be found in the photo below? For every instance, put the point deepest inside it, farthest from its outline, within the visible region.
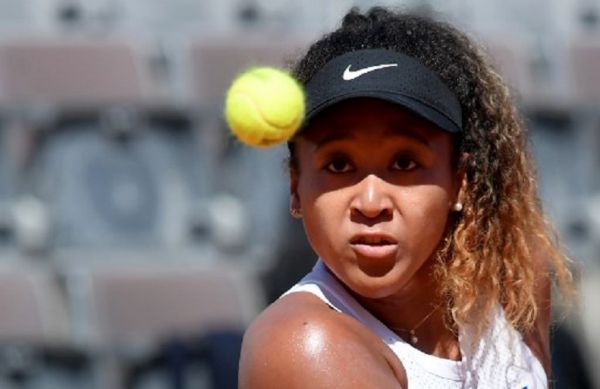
(379, 286)
(376, 267)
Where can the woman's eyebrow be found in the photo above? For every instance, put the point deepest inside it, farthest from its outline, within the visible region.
(333, 136)
(403, 131)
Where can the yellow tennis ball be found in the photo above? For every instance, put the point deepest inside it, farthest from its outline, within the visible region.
(264, 106)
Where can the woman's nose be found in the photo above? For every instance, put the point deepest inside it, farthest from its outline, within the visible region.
(372, 198)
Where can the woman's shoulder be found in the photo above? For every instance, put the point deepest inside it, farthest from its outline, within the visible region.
(299, 339)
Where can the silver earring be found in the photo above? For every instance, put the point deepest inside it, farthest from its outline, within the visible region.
(457, 207)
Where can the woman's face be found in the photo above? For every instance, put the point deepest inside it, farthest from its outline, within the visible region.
(375, 185)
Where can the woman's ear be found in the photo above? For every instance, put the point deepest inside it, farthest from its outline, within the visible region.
(294, 196)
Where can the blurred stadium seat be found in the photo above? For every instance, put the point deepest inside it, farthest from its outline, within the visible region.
(32, 306)
(583, 61)
(72, 73)
(35, 332)
(126, 312)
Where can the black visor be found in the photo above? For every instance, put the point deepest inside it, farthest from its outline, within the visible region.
(386, 75)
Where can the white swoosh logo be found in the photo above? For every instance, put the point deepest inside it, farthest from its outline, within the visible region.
(352, 74)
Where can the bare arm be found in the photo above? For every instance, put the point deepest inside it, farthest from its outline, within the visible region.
(290, 347)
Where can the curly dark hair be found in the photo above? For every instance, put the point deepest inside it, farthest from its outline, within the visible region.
(494, 249)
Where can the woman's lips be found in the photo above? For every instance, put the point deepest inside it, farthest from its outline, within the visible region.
(374, 245)
(375, 251)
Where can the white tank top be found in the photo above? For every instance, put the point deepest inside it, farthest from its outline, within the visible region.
(501, 359)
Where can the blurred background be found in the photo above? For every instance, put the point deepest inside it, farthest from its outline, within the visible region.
(138, 239)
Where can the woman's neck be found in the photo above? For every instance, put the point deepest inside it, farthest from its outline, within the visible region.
(418, 314)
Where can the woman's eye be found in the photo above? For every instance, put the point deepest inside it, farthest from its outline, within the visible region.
(404, 163)
(338, 165)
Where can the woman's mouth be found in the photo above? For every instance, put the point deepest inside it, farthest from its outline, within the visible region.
(374, 245)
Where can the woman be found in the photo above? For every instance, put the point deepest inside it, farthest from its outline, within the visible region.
(416, 189)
